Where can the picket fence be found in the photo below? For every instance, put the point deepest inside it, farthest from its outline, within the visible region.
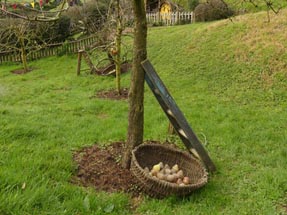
(173, 18)
(50, 50)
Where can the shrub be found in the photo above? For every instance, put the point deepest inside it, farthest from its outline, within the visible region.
(39, 32)
(89, 18)
(63, 28)
(52, 32)
(212, 10)
(192, 4)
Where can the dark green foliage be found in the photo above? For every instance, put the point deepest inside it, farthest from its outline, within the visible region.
(40, 32)
(88, 18)
(55, 32)
(192, 4)
(185, 4)
(212, 10)
(63, 28)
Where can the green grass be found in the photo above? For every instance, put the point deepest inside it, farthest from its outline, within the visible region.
(228, 78)
(258, 5)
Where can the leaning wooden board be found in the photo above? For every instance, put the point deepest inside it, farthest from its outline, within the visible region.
(175, 116)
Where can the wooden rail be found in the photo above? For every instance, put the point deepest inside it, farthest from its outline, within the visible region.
(50, 50)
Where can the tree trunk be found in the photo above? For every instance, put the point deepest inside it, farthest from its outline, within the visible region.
(23, 55)
(136, 94)
(118, 61)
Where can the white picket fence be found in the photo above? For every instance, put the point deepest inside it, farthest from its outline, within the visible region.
(170, 18)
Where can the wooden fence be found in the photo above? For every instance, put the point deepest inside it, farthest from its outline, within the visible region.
(169, 18)
(50, 50)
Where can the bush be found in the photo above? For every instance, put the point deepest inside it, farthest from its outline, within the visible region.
(89, 18)
(212, 10)
(52, 32)
(63, 28)
(192, 4)
(39, 32)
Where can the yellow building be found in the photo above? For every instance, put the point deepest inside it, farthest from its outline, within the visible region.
(165, 10)
(164, 7)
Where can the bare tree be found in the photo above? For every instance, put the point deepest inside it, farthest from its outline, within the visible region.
(16, 31)
(120, 8)
(271, 5)
(23, 37)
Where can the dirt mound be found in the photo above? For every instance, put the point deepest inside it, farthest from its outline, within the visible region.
(100, 168)
(113, 94)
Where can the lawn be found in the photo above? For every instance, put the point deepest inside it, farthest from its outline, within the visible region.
(255, 5)
(229, 79)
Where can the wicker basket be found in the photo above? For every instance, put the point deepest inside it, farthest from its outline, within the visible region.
(147, 155)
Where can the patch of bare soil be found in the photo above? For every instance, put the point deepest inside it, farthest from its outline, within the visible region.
(113, 94)
(100, 168)
(20, 71)
(283, 207)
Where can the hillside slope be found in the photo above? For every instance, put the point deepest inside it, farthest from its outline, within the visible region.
(230, 79)
(245, 53)
(257, 5)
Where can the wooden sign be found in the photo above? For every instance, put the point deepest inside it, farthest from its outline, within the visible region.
(175, 116)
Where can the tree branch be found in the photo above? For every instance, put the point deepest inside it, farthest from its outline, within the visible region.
(37, 18)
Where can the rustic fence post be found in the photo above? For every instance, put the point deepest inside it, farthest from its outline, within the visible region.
(80, 52)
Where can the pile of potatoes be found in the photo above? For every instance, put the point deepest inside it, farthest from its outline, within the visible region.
(165, 173)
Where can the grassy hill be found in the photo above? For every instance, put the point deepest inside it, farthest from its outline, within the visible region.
(258, 5)
(229, 79)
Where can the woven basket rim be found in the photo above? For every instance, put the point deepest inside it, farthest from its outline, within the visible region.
(201, 181)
